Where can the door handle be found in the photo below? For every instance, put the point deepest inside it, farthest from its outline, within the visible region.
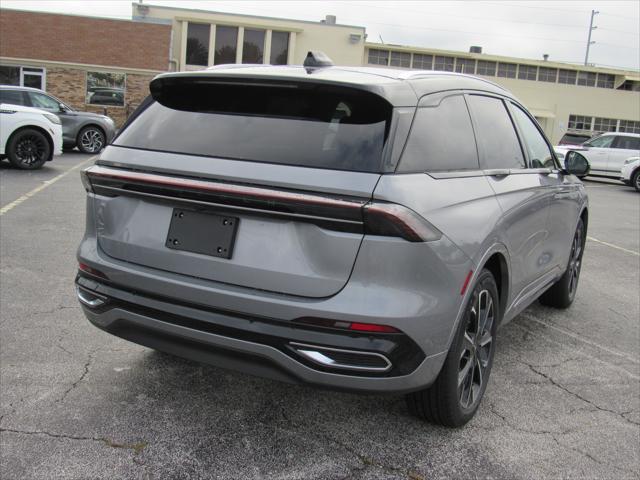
(497, 172)
(564, 194)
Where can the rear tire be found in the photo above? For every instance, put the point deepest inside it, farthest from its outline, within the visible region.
(562, 293)
(454, 397)
(28, 149)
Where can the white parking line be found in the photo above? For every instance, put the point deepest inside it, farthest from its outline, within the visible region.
(632, 252)
(45, 184)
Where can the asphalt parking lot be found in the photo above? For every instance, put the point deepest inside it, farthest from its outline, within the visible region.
(563, 400)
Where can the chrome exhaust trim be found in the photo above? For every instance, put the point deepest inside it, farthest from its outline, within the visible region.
(338, 358)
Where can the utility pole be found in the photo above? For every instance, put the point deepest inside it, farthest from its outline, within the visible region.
(589, 42)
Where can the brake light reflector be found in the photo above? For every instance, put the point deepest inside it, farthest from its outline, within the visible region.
(466, 282)
(91, 271)
(355, 326)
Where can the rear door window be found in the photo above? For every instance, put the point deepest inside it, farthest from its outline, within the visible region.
(627, 143)
(540, 155)
(441, 139)
(309, 125)
(496, 136)
(12, 97)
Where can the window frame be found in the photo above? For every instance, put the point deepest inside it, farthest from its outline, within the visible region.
(42, 73)
(507, 70)
(511, 104)
(124, 90)
(474, 123)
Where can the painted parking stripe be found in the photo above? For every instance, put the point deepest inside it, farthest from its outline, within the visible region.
(39, 188)
(632, 252)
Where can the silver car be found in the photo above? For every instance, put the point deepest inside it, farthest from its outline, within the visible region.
(88, 131)
(352, 228)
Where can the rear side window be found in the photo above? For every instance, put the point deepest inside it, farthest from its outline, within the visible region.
(441, 139)
(627, 143)
(13, 97)
(540, 155)
(497, 140)
(307, 125)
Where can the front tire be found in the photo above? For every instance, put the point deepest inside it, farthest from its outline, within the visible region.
(456, 394)
(91, 139)
(635, 180)
(562, 293)
(28, 149)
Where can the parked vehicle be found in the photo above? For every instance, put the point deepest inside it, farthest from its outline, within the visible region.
(90, 132)
(571, 138)
(331, 226)
(606, 153)
(28, 136)
(630, 172)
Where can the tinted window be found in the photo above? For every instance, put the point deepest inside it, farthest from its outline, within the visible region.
(540, 155)
(441, 139)
(198, 44)
(39, 100)
(627, 143)
(293, 124)
(226, 44)
(253, 46)
(600, 142)
(497, 141)
(279, 48)
(14, 97)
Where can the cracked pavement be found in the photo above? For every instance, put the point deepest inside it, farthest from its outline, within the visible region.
(77, 403)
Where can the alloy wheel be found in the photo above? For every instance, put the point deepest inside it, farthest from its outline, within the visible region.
(637, 182)
(575, 261)
(476, 350)
(31, 149)
(92, 140)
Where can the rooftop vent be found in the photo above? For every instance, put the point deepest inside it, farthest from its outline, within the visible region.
(329, 20)
(545, 57)
(475, 49)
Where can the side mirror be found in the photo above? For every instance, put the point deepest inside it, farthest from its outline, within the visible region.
(62, 107)
(576, 164)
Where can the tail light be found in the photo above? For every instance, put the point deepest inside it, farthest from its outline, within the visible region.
(394, 220)
(83, 267)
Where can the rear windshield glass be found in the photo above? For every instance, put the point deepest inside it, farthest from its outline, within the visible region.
(305, 125)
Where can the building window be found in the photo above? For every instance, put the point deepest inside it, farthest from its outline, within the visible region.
(466, 65)
(104, 88)
(444, 64)
(507, 70)
(579, 122)
(629, 126)
(546, 74)
(423, 62)
(605, 80)
(379, 57)
(33, 77)
(226, 44)
(587, 79)
(253, 46)
(527, 72)
(604, 124)
(400, 59)
(488, 68)
(198, 43)
(279, 48)
(567, 76)
(630, 85)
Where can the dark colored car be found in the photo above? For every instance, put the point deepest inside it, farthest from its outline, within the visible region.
(88, 131)
(354, 228)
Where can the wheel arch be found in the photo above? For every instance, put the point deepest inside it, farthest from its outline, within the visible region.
(497, 265)
(46, 134)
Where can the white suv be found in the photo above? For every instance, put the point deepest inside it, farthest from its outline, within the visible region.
(607, 152)
(28, 136)
(630, 173)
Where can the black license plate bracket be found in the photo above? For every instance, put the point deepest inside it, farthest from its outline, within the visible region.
(204, 233)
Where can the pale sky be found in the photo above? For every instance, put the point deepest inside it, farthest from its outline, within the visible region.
(513, 28)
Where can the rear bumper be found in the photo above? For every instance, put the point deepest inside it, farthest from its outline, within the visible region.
(258, 346)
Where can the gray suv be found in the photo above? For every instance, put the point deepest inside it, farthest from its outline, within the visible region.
(353, 228)
(88, 131)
